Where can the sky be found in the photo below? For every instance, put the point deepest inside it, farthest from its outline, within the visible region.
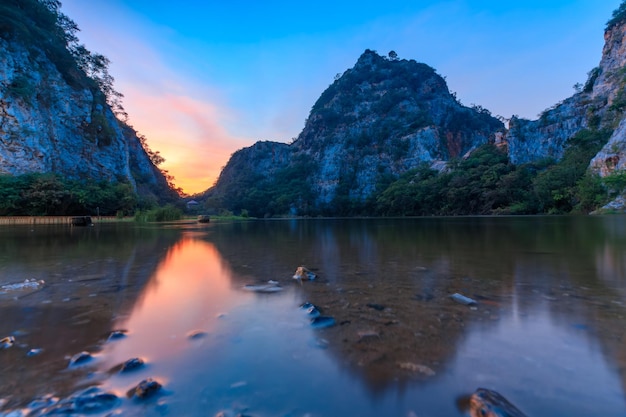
(204, 78)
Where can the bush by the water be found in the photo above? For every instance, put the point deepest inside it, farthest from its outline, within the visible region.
(161, 214)
(51, 194)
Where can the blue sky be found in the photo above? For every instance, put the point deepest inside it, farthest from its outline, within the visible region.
(202, 79)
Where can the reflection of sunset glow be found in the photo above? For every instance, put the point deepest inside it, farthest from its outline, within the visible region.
(188, 292)
(611, 266)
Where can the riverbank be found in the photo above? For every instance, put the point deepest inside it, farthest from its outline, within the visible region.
(13, 220)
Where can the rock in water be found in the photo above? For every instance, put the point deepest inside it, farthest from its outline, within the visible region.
(302, 273)
(132, 364)
(312, 310)
(488, 403)
(323, 322)
(34, 352)
(270, 287)
(89, 401)
(80, 358)
(145, 389)
(197, 334)
(117, 334)
(461, 299)
(7, 342)
(94, 400)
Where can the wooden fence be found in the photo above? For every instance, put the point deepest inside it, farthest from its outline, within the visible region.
(10, 220)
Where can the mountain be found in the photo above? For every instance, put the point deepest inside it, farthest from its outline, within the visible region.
(388, 137)
(599, 104)
(57, 106)
(380, 119)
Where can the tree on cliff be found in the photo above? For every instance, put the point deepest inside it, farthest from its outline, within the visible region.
(619, 15)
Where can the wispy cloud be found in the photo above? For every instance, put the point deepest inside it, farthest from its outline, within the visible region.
(188, 132)
(183, 117)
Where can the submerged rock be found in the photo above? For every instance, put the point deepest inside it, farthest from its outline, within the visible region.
(415, 367)
(7, 342)
(132, 365)
(312, 310)
(43, 402)
(488, 403)
(145, 389)
(377, 307)
(80, 358)
(461, 299)
(270, 287)
(94, 400)
(34, 352)
(197, 334)
(88, 401)
(28, 284)
(117, 334)
(304, 274)
(323, 322)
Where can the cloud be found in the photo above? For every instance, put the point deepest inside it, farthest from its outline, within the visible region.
(182, 117)
(188, 132)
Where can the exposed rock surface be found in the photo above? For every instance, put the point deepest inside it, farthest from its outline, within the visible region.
(597, 105)
(380, 118)
(48, 125)
(386, 116)
(612, 156)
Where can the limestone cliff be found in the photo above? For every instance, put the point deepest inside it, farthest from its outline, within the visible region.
(599, 104)
(611, 83)
(53, 117)
(378, 120)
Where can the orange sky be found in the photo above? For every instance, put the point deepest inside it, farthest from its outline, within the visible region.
(180, 127)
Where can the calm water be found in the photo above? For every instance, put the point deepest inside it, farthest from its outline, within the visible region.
(548, 333)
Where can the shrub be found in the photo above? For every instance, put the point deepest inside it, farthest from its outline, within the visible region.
(161, 214)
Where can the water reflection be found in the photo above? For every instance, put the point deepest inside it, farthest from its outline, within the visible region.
(191, 290)
(248, 353)
(540, 278)
(547, 332)
(92, 276)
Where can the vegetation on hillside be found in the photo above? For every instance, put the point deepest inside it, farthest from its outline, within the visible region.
(40, 26)
(287, 192)
(487, 183)
(50, 194)
(484, 183)
(619, 15)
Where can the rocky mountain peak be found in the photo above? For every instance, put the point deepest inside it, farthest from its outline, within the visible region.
(56, 115)
(379, 119)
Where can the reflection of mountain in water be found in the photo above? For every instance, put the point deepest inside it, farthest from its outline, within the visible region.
(92, 276)
(388, 282)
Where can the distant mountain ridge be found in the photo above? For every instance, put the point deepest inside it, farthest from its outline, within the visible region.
(378, 120)
(385, 117)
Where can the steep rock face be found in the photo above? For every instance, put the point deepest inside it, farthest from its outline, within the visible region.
(385, 117)
(599, 104)
(612, 157)
(529, 141)
(378, 120)
(47, 125)
(611, 83)
(263, 158)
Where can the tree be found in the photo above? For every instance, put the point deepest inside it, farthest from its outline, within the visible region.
(393, 55)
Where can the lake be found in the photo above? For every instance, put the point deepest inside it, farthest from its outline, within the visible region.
(548, 330)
